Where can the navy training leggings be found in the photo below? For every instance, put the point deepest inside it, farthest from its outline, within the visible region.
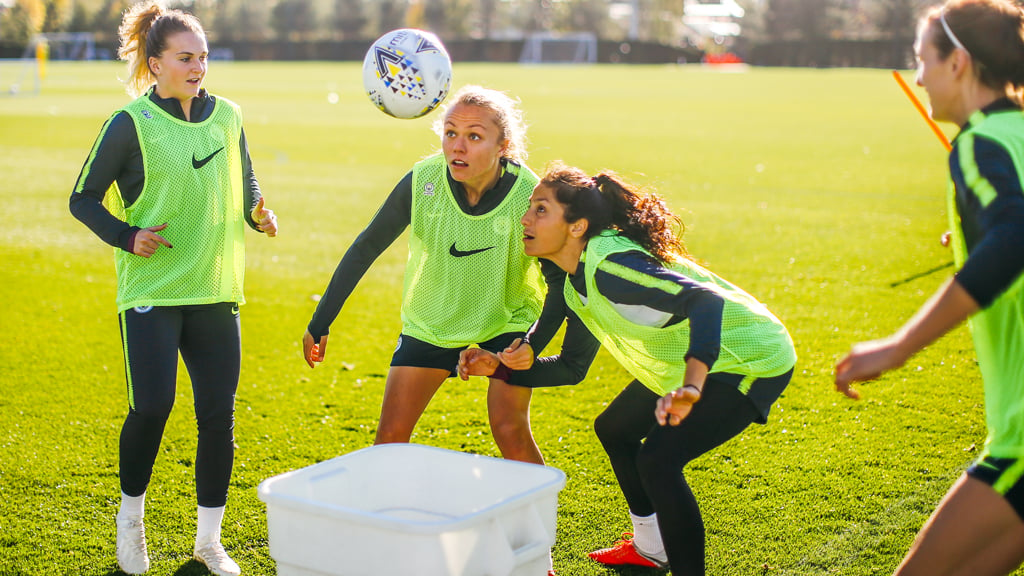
(650, 471)
(209, 339)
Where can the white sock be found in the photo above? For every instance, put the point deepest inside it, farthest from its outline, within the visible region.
(208, 525)
(132, 505)
(647, 536)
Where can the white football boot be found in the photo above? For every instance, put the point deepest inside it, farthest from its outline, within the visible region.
(216, 560)
(131, 545)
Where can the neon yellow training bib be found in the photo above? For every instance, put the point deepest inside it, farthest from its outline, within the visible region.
(467, 279)
(194, 184)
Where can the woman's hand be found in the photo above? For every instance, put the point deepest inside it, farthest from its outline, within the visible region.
(147, 241)
(477, 362)
(947, 308)
(517, 356)
(675, 406)
(265, 219)
(867, 361)
(313, 351)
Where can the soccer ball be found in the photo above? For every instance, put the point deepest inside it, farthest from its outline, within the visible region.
(407, 73)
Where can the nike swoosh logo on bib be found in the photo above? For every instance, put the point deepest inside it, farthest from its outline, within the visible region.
(197, 164)
(460, 253)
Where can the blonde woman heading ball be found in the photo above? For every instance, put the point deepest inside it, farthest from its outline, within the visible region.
(467, 279)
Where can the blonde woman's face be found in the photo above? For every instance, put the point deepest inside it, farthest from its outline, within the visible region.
(181, 68)
(472, 145)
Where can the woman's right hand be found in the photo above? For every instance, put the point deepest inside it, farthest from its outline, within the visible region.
(477, 362)
(147, 241)
(674, 407)
(866, 361)
(313, 351)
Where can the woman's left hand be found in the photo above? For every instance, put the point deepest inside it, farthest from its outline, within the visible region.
(675, 406)
(265, 219)
(518, 356)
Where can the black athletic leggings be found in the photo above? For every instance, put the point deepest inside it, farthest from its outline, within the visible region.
(650, 471)
(209, 339)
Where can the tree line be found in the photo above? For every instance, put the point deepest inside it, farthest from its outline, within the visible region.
(317, 20)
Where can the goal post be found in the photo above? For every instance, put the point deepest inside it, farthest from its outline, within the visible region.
(550, 48)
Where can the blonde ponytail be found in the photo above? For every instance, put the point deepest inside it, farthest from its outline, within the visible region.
(135, 27)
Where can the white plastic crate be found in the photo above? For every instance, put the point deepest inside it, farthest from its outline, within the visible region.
(412, 510)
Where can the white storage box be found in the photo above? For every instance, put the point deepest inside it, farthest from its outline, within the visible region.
(412, 510)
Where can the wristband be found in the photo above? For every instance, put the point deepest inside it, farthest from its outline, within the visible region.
(131, 240)
(502, 372)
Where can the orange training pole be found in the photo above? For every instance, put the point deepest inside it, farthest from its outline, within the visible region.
(920, 108)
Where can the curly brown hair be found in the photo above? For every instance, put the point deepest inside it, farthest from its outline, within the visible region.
(609, 202)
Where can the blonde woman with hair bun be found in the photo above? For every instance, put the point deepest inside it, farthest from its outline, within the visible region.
(169, 184)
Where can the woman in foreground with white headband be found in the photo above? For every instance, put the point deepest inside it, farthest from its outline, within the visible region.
(971, 62)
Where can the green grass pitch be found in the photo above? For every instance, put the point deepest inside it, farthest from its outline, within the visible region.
(821, 192)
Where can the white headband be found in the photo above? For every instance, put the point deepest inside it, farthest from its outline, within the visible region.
(949, 32)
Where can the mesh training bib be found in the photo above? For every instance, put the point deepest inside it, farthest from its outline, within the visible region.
(754, 342)
(467, 279)
(194, 184)
(998, 330)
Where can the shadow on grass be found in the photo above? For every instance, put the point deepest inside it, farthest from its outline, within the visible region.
(190, 568)
(637, 571)
(913, 277)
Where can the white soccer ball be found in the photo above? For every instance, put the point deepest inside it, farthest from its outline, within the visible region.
(407, 73)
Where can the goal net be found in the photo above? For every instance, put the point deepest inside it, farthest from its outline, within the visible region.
(63, 46)
(25, 75)
(548, 48)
